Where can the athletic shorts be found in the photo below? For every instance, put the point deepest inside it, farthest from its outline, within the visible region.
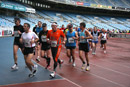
(90, 40)
(45, 47)
(84, 47)
(95, 42)
(103, 41)
(70, 47)
(29, 50)
(19, 44)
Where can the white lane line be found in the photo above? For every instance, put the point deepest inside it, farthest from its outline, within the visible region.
(115, 63)
(99, 76)
(111, 70)
(62, 77)
(103, 78)
(32, 82)
(106, 68)
(110, 62)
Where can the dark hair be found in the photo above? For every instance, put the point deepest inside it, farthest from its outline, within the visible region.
(17, 19)
(40, 22)
(28, 25)
(70, 25)
(83, 24)
(44, 25)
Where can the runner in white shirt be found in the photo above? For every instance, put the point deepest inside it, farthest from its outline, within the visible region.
(104, 38)
(29, 39)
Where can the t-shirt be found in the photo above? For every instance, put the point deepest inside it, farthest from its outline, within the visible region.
(42, 37)
(55, 37)
(16, 35)
(27, 37)
(38, 29)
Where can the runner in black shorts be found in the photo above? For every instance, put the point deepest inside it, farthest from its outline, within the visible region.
(84, 35)
(104, 37)
(18, 30)
(45, 47)
(29, 39)
(71, 36)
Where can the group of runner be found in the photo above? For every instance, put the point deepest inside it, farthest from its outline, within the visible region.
(48, 42)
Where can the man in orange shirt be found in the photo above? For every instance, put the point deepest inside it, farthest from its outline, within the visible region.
(54, 38)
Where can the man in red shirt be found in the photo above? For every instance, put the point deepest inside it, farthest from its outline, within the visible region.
(54, 38)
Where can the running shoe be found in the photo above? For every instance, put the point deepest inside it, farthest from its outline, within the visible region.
(38, 59)
(93, 53)
(31, 75)
(83, 66)
(34, 69)
(70, 60)
(60, 64)
(47, 67)
(73, 64)
(105, 52)
(14, 67)
(53, 74)
(87, 68)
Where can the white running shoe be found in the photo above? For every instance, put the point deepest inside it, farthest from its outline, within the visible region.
(73, 64)
(93, 53)
(83, 66)
(31, 75)
(38, 59)
(53, 74)
(105, 52)
(60, 64)
(34, 69)
(14, 67)
(87, 68)
(70, 60)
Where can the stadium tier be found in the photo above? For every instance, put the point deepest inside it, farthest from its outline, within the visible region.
(63, 18)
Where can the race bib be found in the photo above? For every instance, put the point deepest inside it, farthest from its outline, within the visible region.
(95, 38)
(43, 38)
(16, 34)
(27, 43)
(103, 38)
(70, 40)
(82, 40)
(53, 43)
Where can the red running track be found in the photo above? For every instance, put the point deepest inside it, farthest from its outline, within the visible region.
(107, 70)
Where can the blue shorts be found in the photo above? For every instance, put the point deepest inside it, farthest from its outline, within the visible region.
(94, 42)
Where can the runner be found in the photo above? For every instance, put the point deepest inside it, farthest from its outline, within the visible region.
(84, 35)
(90, 40)
(18, 30)
(95, 34)
(55, 39)
(104, 37)
(45, 47)
(71, 43)
(38, 29)
(29, 39)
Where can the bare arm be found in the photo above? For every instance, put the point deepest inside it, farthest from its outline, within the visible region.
(21, 40)
(100, 36)
(89, 35)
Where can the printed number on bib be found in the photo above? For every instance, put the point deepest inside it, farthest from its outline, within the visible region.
(70, 40)
(95, 38)
(43, 38)
(27, 43)
(53, 43)
(82, 40)
(16, 34)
